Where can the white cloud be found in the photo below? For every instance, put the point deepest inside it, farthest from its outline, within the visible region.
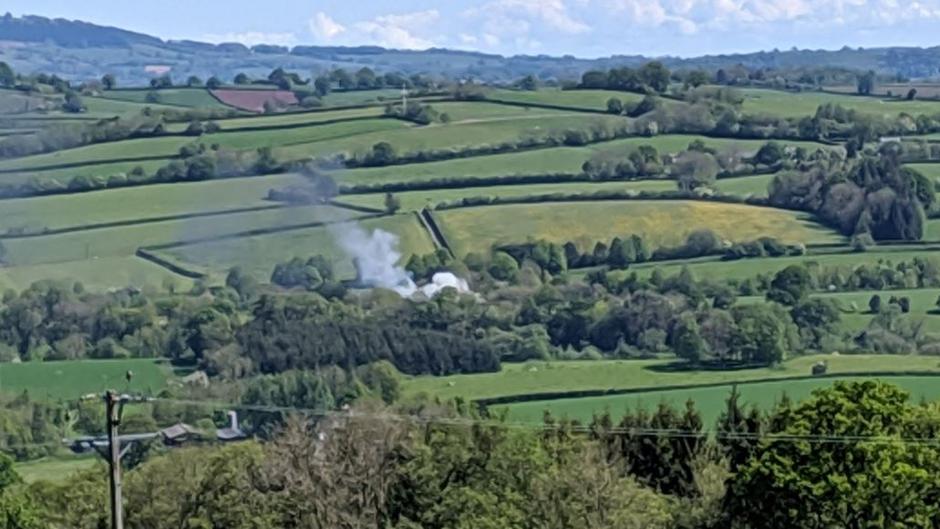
(553, 14)
(324, 28)
(399, 30)
(732, 14)
(250, 38)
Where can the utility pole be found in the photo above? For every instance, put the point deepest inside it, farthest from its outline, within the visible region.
(115, 405)
(404, 99)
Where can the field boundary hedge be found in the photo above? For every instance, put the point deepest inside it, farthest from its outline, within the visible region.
(139, 221)
(356, 207)
(469, 202)
(75, 165)
(289, 126)
(253, 233)
(437, 235)
(589, 393)
(548, 106)
(169, 265)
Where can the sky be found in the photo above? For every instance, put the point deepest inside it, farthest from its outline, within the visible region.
(583, 28)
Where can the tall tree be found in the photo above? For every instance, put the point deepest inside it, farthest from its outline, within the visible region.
(108, 81)
(866, 475)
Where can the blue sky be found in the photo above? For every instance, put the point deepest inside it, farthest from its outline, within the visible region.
(585, 28)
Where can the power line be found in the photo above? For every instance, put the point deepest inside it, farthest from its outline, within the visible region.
(575, 428)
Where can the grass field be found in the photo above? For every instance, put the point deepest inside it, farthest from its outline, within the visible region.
(56, 468)
(95, 274)
(745, 185)
(930, 170)
(361, 97)
(790, 104)
(101, 107)
(293, 119)
(540, 377)
(452, 135)
(741, 269)
(577, 99)
(62, 211)
(567, 160)
(75, 378)
(709, 401)
(415, 200)
(181, 97)
(856, 318)
(97, 169)
(259, 254)
(123, 241)
(169, 146)
(660, 222)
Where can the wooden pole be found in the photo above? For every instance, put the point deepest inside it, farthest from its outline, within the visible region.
(113, 405)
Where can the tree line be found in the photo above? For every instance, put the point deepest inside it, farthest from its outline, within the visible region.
(655, 469)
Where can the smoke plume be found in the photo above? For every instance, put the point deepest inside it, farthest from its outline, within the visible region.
(376, 256)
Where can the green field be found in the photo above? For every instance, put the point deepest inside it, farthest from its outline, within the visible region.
(259, 254)
(555, 160)
(576, 99)
(181, 97)
(855, 316)
(579, 375)
(102, 108)
(709, 401)
(292, 119)
(168, 146)
(73, 379)
(56, 468)
(660, 222)
(930, 170)
(124, 204)
(791, 104)
(415, 200)
(95, 274)
(123, 241)
(745, 185)
(715, 268)
(361, 97)
(65, 174)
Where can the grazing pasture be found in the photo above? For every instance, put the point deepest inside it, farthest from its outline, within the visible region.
(71, 379)
(792, 104)
(581, 375)
(710, 401)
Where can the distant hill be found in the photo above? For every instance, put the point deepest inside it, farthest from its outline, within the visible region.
(35, 44)
(68, 33)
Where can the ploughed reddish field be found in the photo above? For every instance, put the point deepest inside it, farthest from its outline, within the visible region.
(254, 100)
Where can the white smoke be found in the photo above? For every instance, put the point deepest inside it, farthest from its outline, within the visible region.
(376, 258)
(442, 280)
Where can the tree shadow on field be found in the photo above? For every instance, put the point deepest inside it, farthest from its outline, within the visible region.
(686, 367)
